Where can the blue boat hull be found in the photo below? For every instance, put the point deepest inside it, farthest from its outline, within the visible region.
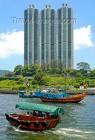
(39, 94)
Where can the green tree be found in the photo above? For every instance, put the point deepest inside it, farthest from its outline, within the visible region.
(31, 70)
(35, 68)
(92, 73)
(61, 67)
(20, 80)
(25, 70)
(83, 66)
(38, 78)
(18, 70)
(68, 72)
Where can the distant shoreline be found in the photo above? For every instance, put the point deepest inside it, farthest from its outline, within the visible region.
(88, 91)
(8, 91)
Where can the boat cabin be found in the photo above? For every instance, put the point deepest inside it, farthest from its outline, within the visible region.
(50, 95)
(39, 110)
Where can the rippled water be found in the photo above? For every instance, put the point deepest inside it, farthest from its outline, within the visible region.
(78, 121)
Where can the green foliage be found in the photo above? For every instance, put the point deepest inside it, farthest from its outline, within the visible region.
(18, 70)
(83, 70)
(26, 70)
(83, 66)
(31, 77)
(9, 84)
(38, 78)
(20, 80)
(92, 73)
(31, 70)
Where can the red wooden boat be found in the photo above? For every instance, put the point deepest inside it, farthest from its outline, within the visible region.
(72, 99)
(39, 117)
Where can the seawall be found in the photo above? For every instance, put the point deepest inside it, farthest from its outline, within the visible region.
(8, 91)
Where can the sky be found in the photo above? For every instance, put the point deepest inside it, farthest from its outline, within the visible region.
(12, 34)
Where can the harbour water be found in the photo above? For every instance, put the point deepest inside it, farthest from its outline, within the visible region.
(78, 121)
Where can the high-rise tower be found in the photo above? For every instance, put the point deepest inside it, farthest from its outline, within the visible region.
(48, 36)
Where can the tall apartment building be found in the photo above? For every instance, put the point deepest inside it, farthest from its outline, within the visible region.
(48, 36)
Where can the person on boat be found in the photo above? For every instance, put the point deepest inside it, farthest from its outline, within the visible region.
(35, 113)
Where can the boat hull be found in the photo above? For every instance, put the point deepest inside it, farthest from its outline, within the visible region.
(74, 99)
(27, 96)
(31, 123)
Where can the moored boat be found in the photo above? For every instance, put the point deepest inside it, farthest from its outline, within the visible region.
(23, 94)
(69, 99)
(41, 94)
(38, 117)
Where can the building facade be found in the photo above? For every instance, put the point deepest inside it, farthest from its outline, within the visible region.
(48, 36)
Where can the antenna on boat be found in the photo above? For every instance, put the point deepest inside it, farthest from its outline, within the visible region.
(65, 79)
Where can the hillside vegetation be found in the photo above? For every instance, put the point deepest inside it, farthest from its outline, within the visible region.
(34, 77)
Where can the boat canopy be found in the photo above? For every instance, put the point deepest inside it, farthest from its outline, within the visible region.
(51, 95)
(54, 110)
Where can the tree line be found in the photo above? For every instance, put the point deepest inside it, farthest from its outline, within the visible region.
(82, 70)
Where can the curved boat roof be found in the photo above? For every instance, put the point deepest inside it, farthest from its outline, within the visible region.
(40, 107)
